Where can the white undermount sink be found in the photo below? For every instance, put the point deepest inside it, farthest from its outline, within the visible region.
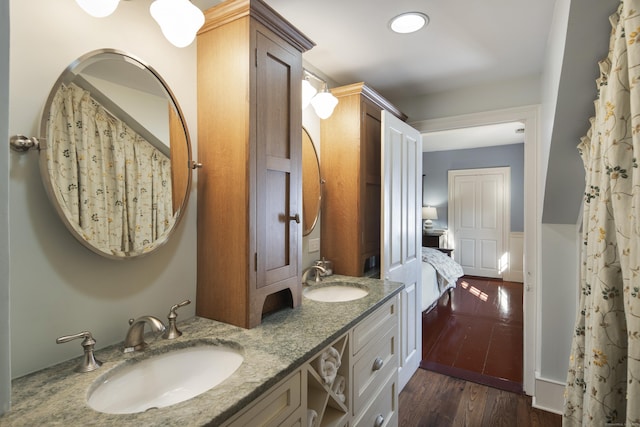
(164, 379)
(335, 292)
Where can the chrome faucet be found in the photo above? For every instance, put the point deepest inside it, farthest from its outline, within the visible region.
(134, 341)
(89, 363)
(318, 276)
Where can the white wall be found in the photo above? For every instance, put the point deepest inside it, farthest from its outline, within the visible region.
(57, 286)
(5, 350)
(550, 83)
(558, 296)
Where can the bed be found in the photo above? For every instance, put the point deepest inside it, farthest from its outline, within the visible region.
(439, 274)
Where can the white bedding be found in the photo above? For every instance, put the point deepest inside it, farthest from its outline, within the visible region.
(439, 274)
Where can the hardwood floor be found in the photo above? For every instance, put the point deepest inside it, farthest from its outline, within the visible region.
(472, 362)
(435, 400)
(475, 333)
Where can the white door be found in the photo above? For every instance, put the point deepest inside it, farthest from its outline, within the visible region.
(401, 244)
(479, 217)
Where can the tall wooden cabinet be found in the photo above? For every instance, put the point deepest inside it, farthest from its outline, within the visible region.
(351, 159)
(249, 142)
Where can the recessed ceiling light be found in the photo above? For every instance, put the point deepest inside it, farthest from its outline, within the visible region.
(408, 22)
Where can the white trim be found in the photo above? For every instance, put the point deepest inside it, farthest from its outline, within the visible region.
(515, 272)
(549, 395)
(530, 116)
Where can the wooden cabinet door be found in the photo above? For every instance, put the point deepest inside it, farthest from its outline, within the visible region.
(278, 156)
(371, 190)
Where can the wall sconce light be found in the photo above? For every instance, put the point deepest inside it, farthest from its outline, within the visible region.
(323, 102)
(98, 9)
(429, 213)
(308, 92)
(179, 20)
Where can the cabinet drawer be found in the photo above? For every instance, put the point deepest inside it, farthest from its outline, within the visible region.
(275, 406)
(369, 329)
(377, 363)
(383, 410)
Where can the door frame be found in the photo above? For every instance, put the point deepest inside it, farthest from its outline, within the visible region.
(505, 225)
(530, 116)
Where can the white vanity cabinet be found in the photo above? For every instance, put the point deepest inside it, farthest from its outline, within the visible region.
(280, 406)
(369, 365)
(375, 368)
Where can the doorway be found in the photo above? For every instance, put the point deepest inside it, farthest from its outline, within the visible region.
(528, 115)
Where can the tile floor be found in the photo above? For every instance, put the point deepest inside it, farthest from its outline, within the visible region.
(475, 333)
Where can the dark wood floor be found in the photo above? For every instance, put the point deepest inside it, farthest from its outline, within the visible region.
(475, 333)
(435, 400)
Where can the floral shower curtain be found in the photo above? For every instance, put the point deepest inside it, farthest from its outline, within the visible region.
(111, 184)
(603, 383)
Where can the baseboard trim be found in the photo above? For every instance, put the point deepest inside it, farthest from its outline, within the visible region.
(549, 395)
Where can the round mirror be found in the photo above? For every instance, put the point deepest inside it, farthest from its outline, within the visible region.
(311, 184)
(115, 154)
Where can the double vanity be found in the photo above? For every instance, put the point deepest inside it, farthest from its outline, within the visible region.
(276, 382)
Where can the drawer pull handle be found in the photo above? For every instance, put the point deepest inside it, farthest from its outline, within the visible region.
(377, 364)
(295, 218)
(379, 421)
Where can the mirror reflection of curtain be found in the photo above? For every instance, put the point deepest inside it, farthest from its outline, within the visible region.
(603, 382)
(113, 186)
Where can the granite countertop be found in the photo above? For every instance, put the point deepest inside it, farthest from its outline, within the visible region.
(282, 343)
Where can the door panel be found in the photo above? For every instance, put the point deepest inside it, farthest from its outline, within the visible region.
(401, 262)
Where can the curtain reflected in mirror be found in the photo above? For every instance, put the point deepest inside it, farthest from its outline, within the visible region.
(116, 160)
(311, 184)
(112, 184)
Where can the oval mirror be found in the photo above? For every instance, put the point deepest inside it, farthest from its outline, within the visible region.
(115, 154)
(311, 184)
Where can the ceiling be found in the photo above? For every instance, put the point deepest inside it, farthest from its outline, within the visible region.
(466, 43)
(474, 137)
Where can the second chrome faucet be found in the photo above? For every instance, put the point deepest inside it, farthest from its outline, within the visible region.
(134, 341)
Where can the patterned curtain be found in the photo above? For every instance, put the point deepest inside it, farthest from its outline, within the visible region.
(113, 187)
(603, 383)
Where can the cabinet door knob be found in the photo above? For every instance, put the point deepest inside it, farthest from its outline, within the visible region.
(379, 421)
(295, 218)
(377, 364)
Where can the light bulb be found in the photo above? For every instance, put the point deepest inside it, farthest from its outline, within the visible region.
(324, 103)
(98, 8)
(179, 20)
(308, 92)
(409, 22)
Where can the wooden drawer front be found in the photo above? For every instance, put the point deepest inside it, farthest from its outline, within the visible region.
(276, 405)
(369, 329)
(377, 363)
(383, 410)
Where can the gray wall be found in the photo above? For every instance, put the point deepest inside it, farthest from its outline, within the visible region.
(57, 286)
(5, 350)
(436, 164)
